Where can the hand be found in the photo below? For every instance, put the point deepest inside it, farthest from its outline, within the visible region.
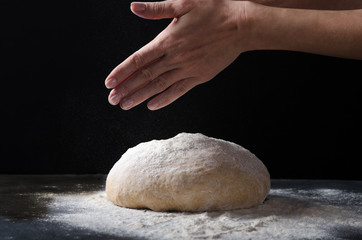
(202, 40)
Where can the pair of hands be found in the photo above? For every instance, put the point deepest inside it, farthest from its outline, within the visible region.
(202, 39)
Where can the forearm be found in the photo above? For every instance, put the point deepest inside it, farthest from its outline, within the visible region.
(333, 33)
(314, 4)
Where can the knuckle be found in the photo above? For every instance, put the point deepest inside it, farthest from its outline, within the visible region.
(180, 87)
(180, 58)
(161, 83)
(158, 8)
(123, 91)
(138, 60)
(147, 74)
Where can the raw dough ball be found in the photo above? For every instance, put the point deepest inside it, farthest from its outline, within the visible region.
(189, 172)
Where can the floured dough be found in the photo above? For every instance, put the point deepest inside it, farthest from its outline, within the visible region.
(189, 172)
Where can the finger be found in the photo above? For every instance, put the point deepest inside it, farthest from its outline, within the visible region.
(160, 10)
(148, 54)
(154, 10)
(170, 95)
(114, 97)
(142, 78)
(156, 86)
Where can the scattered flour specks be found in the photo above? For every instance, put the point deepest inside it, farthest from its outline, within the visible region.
(286, 214)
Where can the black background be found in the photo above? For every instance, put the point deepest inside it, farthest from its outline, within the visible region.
(299, 113)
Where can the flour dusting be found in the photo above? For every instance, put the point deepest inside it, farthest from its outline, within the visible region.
(286, 214)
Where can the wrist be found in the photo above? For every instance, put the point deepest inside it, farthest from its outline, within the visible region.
(248, 24)
(265, 26)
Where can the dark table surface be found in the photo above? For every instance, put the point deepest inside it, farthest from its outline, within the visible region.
(75, 207)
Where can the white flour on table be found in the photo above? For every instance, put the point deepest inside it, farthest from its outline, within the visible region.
(286, 214)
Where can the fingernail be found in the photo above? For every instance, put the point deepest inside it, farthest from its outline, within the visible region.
(115, 99)
(127, 104)
(138, 7)
(153, 105)
(110, 83)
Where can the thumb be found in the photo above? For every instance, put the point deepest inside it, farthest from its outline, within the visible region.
(154, 10)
